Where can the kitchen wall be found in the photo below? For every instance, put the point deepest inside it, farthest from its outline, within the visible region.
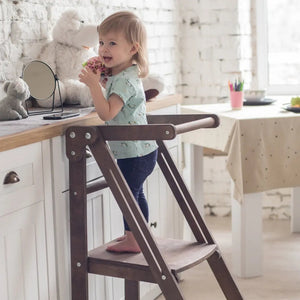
(216, 47)
(218, 43)
(195, 45)
(25, 27)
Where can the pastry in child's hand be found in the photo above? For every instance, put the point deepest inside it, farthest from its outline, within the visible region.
(95, 64)
(295, 102)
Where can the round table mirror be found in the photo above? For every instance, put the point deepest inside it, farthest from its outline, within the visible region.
(42, 82)
(40, 79)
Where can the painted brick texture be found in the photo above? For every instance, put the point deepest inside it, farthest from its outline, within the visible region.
(25, 26)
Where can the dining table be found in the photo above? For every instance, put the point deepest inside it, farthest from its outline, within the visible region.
(262, 147)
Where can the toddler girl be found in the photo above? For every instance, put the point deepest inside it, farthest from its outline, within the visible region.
(122, 48)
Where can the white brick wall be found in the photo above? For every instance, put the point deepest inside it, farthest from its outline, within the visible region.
(218, 44)
(25, 27)
(216, 34)
(196, 45)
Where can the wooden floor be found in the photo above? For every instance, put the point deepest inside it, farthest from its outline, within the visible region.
(281, 280)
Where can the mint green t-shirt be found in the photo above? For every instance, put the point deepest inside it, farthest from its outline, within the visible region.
(128, 86)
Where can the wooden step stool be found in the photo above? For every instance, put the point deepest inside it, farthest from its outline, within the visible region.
(161, 259)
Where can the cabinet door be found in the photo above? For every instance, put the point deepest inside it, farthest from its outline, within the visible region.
(27, 268)
(163, 208)
(115, 286)
(98, 233)
(154, 198)
(169, 215)
(23, 255)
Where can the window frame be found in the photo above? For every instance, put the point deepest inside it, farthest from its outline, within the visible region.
(262, 55)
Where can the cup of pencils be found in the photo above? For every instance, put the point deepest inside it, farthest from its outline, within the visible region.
(236, 94)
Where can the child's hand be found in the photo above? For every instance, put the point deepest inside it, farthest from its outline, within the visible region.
(89, 77)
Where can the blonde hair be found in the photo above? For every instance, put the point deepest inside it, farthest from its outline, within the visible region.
(134, 32)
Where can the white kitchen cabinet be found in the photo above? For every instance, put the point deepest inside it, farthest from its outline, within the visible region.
(34, 215)
(27, 257)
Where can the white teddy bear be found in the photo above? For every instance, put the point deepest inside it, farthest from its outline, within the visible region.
(11, 106)
(72, 45)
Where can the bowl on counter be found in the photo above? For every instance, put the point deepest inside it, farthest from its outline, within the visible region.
(254, 95)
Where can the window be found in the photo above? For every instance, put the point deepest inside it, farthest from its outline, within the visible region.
(278, 46)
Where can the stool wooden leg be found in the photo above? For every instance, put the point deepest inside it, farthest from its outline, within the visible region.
(224, 277)
(132, 290)
(78, 229)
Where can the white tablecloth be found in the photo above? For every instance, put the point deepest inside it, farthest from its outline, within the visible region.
(262, 144)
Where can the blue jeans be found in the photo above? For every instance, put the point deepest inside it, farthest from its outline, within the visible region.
(136, 170)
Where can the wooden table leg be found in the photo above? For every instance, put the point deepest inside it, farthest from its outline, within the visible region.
(194, 174)
(295, 209)
(247, 248)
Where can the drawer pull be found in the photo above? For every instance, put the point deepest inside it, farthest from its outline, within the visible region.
(154, 224)
(11, 177)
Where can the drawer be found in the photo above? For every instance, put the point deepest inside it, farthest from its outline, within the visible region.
(61, 165)
(26, 162)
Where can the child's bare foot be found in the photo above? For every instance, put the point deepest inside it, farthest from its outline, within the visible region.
(121, 238)
(128, 244)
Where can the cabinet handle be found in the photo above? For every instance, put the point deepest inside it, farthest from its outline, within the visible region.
(154, 224)
(11, 177)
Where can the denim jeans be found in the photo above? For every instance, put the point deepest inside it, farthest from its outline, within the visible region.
(136, 170)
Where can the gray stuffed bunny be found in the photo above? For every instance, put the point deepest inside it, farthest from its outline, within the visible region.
(11, 106)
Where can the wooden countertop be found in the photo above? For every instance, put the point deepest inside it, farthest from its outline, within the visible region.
(42, 132)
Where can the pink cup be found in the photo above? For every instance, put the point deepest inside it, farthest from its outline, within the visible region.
(236, 99)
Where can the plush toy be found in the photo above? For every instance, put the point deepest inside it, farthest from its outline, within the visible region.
(11, 106)
(72, 46)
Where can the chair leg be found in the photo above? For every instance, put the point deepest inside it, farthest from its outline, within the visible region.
(132, 290)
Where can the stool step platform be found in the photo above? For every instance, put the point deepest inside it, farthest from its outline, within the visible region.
(180, 256)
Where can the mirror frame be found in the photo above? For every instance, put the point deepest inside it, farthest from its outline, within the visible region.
(52, 109)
